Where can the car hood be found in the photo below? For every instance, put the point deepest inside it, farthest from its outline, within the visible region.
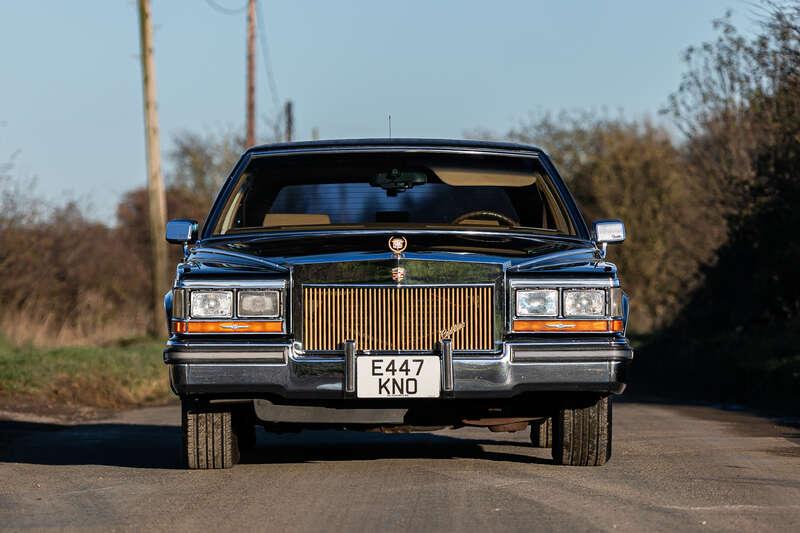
(280, 252)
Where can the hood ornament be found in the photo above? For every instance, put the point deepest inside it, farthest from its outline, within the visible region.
(398, 244)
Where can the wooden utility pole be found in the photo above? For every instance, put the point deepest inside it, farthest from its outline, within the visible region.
(156, 200)
(251, 72)
(289, 116)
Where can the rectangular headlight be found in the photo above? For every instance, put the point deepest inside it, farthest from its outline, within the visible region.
(584, 302)
(259, 304)
(211, 304)
(537, 302)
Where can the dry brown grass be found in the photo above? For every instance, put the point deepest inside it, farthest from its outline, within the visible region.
(32, 327)
(111, 376)
(105, 391)
(67, 280)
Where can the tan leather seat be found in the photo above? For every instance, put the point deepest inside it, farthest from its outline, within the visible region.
(295, 219)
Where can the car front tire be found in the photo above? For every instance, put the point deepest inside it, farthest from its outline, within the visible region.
(209, 439)
(582, 435)
(542, 433)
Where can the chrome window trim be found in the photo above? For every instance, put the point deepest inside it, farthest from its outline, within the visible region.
(568, 204)
(523, 232)
(522, 153)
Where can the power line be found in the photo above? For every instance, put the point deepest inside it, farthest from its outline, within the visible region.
(262, 40)
(226, 10)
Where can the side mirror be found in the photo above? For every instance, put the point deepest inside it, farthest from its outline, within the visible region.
(608, 231)
(182, 231)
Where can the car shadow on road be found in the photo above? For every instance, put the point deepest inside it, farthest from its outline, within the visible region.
(158, 446)
(125, 445)
(330, 445)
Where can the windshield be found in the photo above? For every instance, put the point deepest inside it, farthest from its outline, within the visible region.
(393, 190)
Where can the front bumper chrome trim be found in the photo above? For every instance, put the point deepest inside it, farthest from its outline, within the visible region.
(275, 357)
(524, 367)
(350, 367)
(448, 377)
(201, 352)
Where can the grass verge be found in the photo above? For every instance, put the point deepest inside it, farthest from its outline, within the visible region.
(112, 376)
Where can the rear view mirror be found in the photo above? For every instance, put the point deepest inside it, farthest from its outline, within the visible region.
(182, 231)
(606, 231)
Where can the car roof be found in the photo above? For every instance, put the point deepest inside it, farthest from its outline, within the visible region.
(441, 144)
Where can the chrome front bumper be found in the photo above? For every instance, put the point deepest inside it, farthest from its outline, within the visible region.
(253, 370)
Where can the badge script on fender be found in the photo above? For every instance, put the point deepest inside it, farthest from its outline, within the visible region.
(449, 332)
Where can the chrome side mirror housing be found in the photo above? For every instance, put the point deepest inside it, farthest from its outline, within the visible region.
(182, 231)
(608, 231)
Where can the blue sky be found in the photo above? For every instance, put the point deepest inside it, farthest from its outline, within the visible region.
(70, 94)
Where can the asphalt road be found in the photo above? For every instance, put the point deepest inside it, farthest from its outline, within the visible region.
(674, 468)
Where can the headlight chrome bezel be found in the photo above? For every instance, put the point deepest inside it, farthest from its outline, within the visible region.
(611, 315)
(183, 314)
(198, 293)
(567, 294)
(547, 313)
(245, 292)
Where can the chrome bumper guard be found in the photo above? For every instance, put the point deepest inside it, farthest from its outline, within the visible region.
(250, 370)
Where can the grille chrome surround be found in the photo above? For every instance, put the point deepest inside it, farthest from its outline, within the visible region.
(405, 318)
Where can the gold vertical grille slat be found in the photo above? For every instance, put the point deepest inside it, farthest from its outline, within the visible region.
(397, 318)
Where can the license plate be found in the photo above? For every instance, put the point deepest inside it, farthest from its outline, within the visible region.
(398, 377)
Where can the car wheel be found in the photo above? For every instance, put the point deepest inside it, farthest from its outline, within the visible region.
(542, 433)
(209, 440)
(582, 435)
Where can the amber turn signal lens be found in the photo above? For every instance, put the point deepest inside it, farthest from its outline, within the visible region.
(567, 326)
(271, 326)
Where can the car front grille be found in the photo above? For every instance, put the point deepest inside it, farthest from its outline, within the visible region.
(403, 318)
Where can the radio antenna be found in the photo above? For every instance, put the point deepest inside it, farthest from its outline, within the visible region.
(390, 125)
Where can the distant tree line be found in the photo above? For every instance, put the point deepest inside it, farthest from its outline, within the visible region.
(67, 279)
(712, 256)
(739, 107)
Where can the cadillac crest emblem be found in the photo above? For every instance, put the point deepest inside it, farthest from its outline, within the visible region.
(398, 274)
(397, 245)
